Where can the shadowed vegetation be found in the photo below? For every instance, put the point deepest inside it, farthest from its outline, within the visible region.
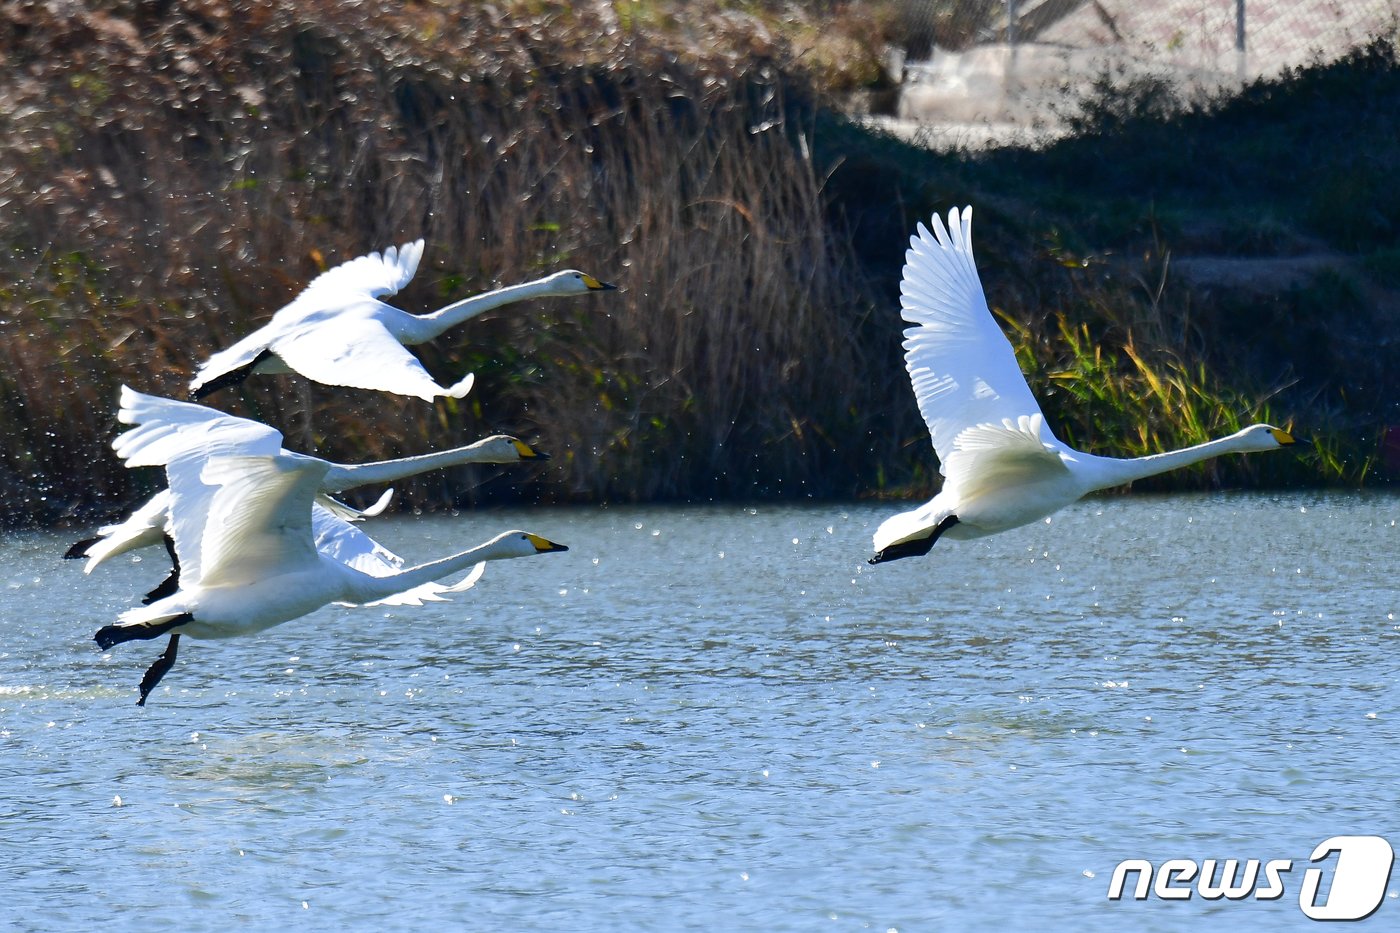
(174, 173)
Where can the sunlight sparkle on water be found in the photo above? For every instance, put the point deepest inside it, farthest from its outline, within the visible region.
(907, 704)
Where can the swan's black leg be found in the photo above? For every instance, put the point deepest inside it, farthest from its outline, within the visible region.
(231, 378)
(79, 550)
(110, 635)
(158, 669)
(171, 583)
(167, 586)
(917, 547)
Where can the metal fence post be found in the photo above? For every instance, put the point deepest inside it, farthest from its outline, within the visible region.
(1240, 65)
(1011, 42)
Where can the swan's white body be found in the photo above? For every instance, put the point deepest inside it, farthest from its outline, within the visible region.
(1001, 464)
(166, 429)
(247, 538)
(338, 332)
(254, 553)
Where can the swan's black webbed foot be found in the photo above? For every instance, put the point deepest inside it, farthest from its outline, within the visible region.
(171, 583)
(79, 550)
(157, 670)
(167, 587)
(109, 635)
(918, 547)
(231, 378)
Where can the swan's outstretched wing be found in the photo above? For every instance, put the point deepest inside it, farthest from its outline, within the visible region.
(375, 275)
(361, 353)
(366, 277)
(342, 511)
(962, 366)
(165, 429)
(346, 543)
(142, 528)
(236, 520)
(991, 460)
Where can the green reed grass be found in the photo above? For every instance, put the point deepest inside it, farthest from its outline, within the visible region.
(171, 177)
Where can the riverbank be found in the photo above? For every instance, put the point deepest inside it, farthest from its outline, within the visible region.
(170, 180)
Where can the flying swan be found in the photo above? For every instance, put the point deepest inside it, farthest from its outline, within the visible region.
(1002, 467)
(166, 428)
(339, 333)
(246, 533)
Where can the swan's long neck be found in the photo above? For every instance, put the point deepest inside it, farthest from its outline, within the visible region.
(1116, 472)
(369, 589)
(430, 325)
(344, 476)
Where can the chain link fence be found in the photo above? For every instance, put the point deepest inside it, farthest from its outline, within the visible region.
(1006, 66)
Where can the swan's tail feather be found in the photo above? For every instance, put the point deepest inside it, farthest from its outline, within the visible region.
(460, 389)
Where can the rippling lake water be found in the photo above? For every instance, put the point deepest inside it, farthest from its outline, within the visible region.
(722, 719)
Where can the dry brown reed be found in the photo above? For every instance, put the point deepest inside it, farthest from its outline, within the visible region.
(185, 172)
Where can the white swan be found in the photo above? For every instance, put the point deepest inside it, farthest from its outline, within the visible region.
(1001, 465)
(166, 428)
(338, 332)
(244, 530)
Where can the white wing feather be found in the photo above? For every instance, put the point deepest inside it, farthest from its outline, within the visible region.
(962, 367)
(166, 429)
(361, 353)
(142, 528)
(364, 278)
(338, 539)
(992, 458)
(376, 274)
(236, 520)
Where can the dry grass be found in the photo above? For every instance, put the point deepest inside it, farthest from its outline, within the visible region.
(173, 174)
(181, 176)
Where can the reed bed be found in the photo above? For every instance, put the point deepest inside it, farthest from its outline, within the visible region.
(186, 174)
(174, 175)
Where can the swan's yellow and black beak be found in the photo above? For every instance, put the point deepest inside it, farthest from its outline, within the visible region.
(544, 545)
(597, 286)
(527, 452)
(1288, 440)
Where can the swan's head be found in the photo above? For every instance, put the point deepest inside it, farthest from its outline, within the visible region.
(1265, 437)
(502, 448)
(523, 544)
(574, 282)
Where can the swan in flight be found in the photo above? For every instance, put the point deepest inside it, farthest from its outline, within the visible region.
(166, 428)
(1002, 467)
(339, 333)
(246, 532)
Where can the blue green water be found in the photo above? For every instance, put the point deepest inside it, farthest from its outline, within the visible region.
(722, 718)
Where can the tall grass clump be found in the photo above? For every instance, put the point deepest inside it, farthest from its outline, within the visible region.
(171, 178)
(1123, 368)
(174, 173)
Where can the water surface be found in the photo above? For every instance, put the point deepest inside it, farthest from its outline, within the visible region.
(722, 718)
